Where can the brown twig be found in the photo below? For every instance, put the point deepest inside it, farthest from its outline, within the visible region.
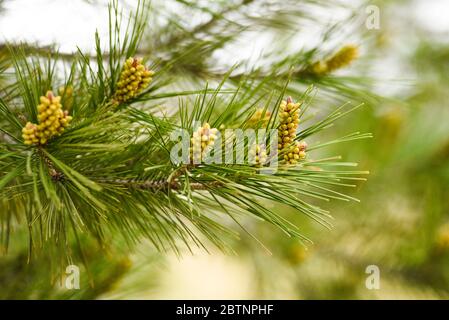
(158, 185)
(172, 183)
(55, 174)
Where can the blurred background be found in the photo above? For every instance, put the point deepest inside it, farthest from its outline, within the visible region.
(400, 225)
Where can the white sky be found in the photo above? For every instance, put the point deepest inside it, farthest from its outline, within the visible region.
(67, 23)
(73, 22)
(433, 14)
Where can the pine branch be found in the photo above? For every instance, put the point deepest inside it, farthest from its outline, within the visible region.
(110, 169)
(162, 185)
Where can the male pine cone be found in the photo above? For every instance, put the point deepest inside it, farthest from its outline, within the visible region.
(52, 121)
(291, 150)
(258, 154)
(289, 120)
(260, 118)
(133, 79)
(342, 58)
(202, 141)
(295, 152)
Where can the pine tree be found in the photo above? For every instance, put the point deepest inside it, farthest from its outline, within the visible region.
(87, 156)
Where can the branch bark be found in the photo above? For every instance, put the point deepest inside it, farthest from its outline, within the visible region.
(160, 185)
